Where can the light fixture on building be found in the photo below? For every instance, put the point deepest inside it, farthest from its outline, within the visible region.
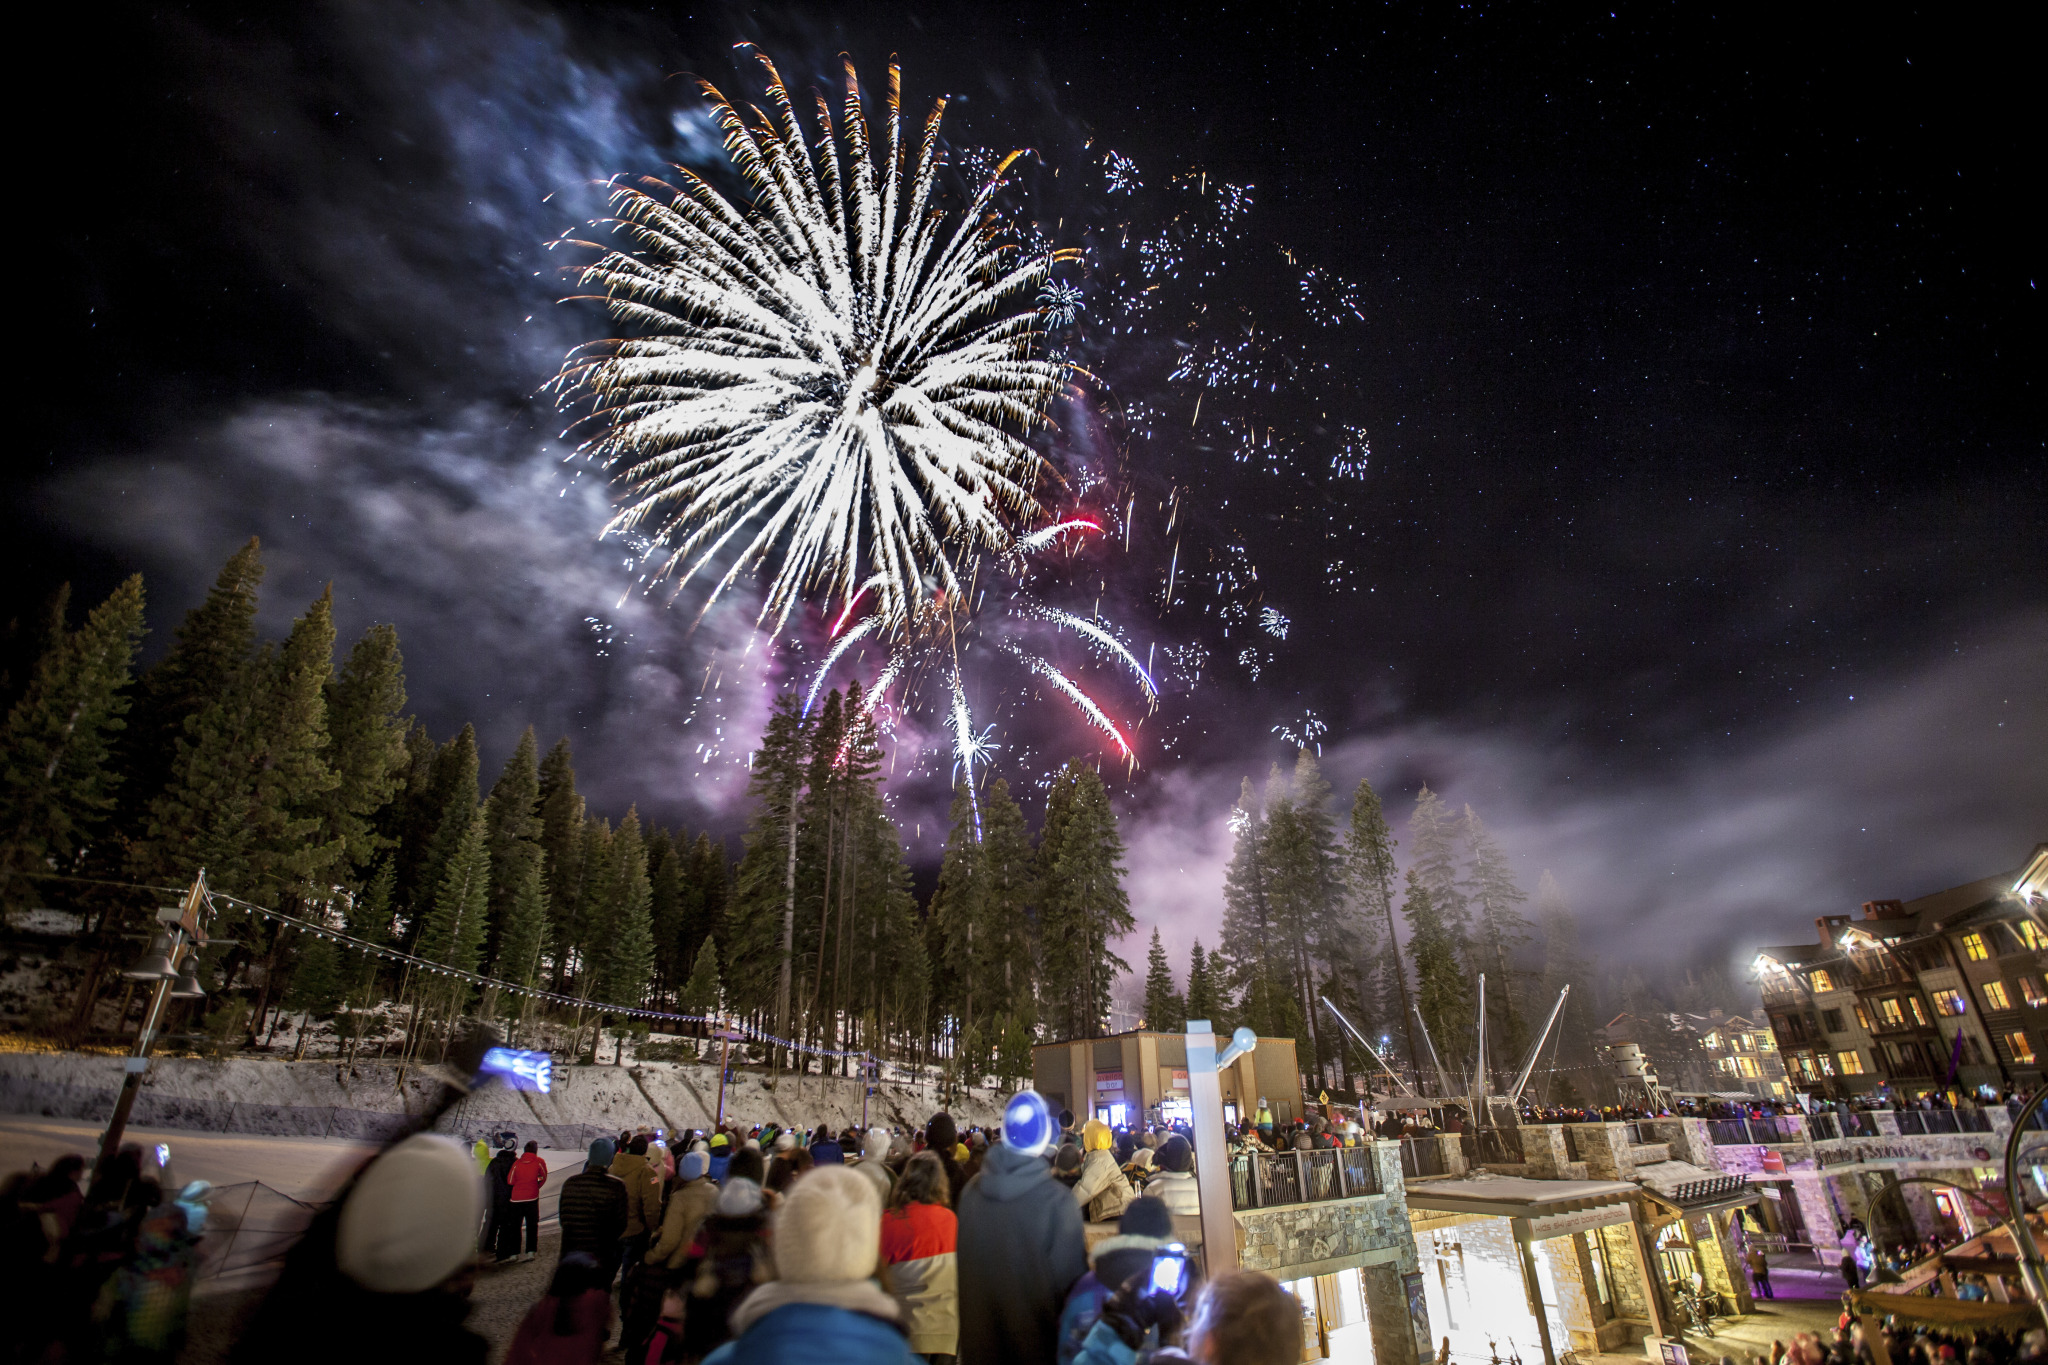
(187, 986)
(155, 964)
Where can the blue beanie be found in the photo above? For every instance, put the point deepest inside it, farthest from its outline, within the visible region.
(692, 1166)
(1027, 1123)
(601, 1153)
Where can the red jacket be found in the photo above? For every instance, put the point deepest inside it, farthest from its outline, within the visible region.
(529, 1173)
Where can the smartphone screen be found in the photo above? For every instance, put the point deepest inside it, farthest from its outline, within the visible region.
(1170, 1271)
(163, 1154)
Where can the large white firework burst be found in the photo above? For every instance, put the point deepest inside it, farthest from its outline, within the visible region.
(834, 378)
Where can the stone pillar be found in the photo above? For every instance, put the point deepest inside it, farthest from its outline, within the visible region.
(2001, 1125)
(1543, 1152)
(1396, 1338)
(1887, 1122)
(1386, 1155)
(1722, 1267)
(1081, 1081)
(1604, 1149)
(1452, 1145)
(1690, 1141)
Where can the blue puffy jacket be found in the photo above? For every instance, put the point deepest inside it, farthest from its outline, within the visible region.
(811, 1333)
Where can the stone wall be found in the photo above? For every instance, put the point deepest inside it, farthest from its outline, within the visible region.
(324, 1099)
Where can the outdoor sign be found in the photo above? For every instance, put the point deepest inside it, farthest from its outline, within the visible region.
(1672, 1351)
(1110, 1080)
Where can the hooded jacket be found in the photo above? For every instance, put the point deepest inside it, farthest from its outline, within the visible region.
(689, 1204)
(643, 1193)
(1176, 1189)
(803, 1324)
(1020, 1249)
(1101, 1188)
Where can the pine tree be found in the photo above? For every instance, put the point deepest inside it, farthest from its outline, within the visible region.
(627, 937)
(57, 778)
(561, 840)
(442, 819)
(701, 991)
(704, 894)
(665, 877)
(761, 924)
(452, 933)
(1164, 1008)
(1304, 897)
(580, 929)
(366, 748)
(1432, 841)
(523, 934)
(1441, 992)
(1083, 906)
(209, 650)
(1369, 874)
(1247, 963)
(1202, 1000)
(1498, 935)
(512, 836)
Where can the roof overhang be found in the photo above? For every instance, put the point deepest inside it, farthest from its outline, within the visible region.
(1538, 1209)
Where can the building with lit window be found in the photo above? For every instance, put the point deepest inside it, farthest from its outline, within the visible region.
(1950, 989)
(1716, 1053)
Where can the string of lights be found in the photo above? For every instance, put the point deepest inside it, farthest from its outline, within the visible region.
(350, 941)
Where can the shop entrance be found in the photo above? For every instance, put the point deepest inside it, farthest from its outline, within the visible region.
(1334, 1325)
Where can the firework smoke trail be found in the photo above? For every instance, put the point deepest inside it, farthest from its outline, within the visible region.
(834, 378)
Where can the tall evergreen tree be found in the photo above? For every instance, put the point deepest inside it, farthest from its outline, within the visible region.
(452, 932)
(665, 911)
(1202, 1000)
(982, 910)
(512, 834)
(701, 992)
(57, 780)
(580, 930)
(1433, 848)
(1165, 1010)
(561, 839)
(627, 936)
(366, 749)
(1251, 960)
(1083, 907)
(1306, 904)
(1369, 874)
(523, 934)
(704, 893)
(442, 821)
(209, 650)
(1442, 994)
(1499, 931)
(761, 917)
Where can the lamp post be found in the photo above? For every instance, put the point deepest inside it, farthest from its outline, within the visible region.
(159, 964)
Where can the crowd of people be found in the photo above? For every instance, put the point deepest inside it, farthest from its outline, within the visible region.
(733, 1246)
(101, 1265)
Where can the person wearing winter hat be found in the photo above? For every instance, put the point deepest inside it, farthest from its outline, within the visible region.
(824, 1303)
(1100, 1189)
(1143, 1230)
(1021, 1245)
(570, 1323)
(721, 1153)
(594, 1208)
(1175, 1182)
(1138, 1169)
(722, 1264)
(643, 1200)
(941, 1137)
(691, 1200)
(873, 1163)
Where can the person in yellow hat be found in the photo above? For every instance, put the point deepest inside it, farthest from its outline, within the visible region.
(1101, 1189)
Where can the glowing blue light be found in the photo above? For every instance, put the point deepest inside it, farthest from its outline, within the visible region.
(522, 1070)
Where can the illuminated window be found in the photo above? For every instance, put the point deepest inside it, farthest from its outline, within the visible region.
(2030, 934)
(1919, 1014)
(1822, 981)
(1975, 948)
(2022, 1050)
(1889, 1012)
(1747, 1068)
(1852, 1062)
(1862, 1019)
(1995, 997)
(1827, 1063)
(2030, 991)
(1766, 1042)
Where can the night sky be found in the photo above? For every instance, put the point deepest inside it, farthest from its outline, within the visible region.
(1699, 542)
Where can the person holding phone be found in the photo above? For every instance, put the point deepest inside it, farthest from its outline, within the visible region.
(1143, 1233)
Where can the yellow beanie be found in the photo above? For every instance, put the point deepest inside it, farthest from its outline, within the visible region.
(1095, 1136)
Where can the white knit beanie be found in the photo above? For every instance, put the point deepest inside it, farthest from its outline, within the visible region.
(411, 1220)
(830, 1228)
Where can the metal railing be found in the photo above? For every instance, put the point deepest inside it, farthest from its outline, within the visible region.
(1694, 1193)
(1823, 1127)
(1770, 1128)
(1422, 1156)
(1264, 1180)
